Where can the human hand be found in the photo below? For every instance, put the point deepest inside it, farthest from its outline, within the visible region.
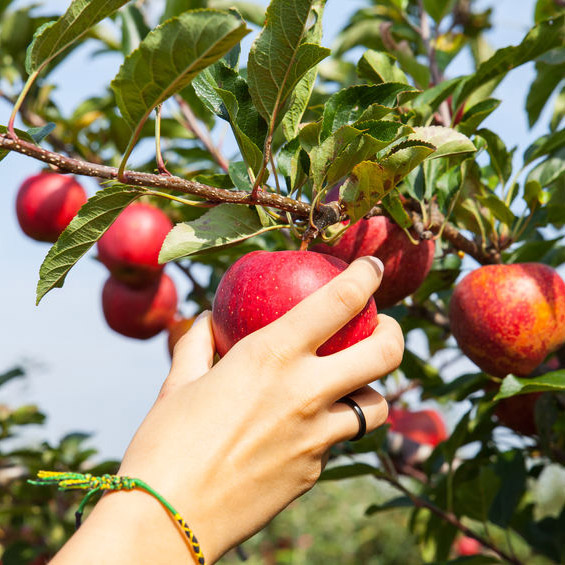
(230, 446)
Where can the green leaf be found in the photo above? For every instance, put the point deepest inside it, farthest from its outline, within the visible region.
(498, 207)
(446, 140)
(511, 469)
(348, 472)
(288, 162)
(176, 7)
(434, 96)
(226, 93)
(544, 145)
(540, 39)
(475, 115)
(348, 146)
(134, 28)
(548, 171)
(349, 104)
(547, 79)
(378, 67)
(281, 56)
(369, 182)
(393, 205)
(550, 382)
(239, 176)
(300, 97)
(169, 58)
(500, 157)
(219, 227)
(438, 9)
(251, 11)
(54, 37)
(11, 374)
(399, 502)
(85, 229)
(558, 111)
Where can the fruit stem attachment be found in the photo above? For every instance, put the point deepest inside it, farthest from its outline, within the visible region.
(19, 102)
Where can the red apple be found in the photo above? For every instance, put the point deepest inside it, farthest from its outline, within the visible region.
(507, 318)
(46, 203)
(139, 312)
(176, 329)
(130, 248)
(262, 286)
(466, 545)
(406, 265)
(424, 427)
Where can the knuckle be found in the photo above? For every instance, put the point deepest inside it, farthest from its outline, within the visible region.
(349, 293)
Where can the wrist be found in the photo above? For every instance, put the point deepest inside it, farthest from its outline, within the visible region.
(128, 527)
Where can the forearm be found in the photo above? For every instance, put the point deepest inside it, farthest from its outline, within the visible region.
(128, 527)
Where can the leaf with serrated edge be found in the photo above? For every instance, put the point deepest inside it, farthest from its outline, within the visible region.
(170, 56)
(446, 140)
(405, 157)
(512, 386)
(280, 57)
(300, 96)
(349, 104)
(85, 229)
(378, 67)
(223, 225)
(540, 39)
(54, 37)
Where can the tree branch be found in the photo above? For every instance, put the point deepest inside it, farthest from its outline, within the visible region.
(134, 178)
(448, 517)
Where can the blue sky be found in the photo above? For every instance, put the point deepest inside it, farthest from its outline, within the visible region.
(83, 375)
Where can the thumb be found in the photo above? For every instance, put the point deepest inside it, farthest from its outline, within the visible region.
(193, 355)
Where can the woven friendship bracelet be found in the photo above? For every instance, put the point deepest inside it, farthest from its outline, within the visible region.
(94, 485)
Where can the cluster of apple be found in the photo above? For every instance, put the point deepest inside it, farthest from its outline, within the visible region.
(139, 300)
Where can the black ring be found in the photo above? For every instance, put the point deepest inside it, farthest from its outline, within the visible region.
(360, 416)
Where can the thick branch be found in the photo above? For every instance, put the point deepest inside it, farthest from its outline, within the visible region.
(134, 178)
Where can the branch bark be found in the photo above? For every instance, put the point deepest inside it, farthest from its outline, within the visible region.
(134, 178)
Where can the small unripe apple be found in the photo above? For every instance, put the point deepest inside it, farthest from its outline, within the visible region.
(46, 204)
(406, 265)
(508, 318)
(139, 312)
(131, 245)
(425, 427)
(262, 286)
(176, 329)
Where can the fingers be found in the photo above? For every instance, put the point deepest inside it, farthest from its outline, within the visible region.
(343, 422)
(194, 352)
(364, 362)
(314, 320)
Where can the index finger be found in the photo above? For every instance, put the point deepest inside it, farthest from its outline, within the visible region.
(320, 315)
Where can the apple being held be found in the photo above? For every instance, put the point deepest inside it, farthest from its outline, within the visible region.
(46, 203)
(131, 245)
(262, 286)
(508, 318)
(406, 265)
(139, 312)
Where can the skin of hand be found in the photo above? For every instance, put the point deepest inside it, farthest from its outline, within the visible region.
(231, 445)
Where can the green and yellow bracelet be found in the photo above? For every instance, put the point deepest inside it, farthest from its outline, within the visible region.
(94, 485)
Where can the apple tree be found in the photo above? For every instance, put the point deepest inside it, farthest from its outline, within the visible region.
(377, 146)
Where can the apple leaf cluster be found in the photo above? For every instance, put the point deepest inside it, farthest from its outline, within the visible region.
(376, 146)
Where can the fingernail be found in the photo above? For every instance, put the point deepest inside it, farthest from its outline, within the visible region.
(201, 316)
(377, 262)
